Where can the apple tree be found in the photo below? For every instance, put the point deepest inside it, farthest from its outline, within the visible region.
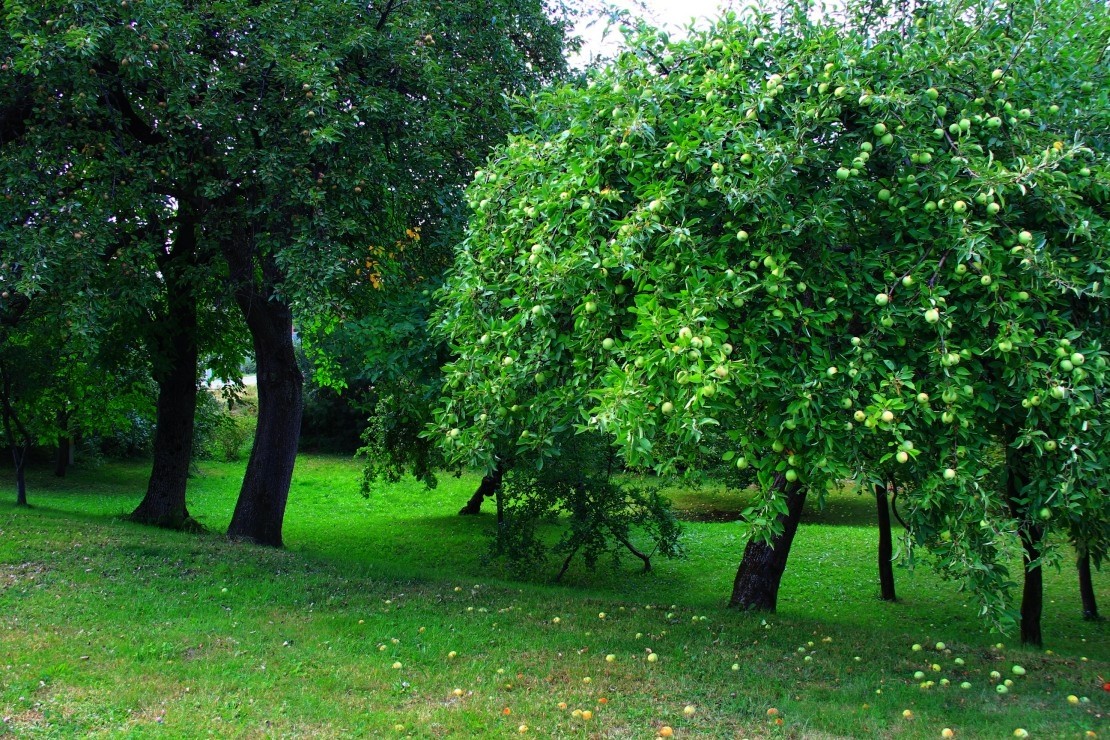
(845, 248)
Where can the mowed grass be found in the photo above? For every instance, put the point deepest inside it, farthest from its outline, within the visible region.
(111, 629)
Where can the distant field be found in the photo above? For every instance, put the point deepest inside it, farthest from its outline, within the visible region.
(107, 628)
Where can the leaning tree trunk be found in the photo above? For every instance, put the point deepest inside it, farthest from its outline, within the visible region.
(173, 340)
(1032, 535)
(756, 587)
(1086, 586)
(886, 547)
(488, 487)
(260, 510)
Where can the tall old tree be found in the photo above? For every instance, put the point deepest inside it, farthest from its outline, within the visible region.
(287, 142)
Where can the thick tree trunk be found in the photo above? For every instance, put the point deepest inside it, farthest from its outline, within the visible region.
(1086, 587)
(260, 510)
(164, 503)
(886, 547)
(756, 587)
(61, 457)
(1031, 533)
(488, 487)
(174, 353)
(1032, 594)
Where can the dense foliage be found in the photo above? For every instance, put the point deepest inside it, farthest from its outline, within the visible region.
(847, 248)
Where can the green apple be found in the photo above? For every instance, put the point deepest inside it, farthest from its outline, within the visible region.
(923, 398)
(932, 316)
(608, 343)
(902, 456)
(741, 462)
(1050, 445)
(884, 195)
(791, 475)
(887, 139)
(667, 408)
(993, 209)
(949, 474)
(882, 299)
(742, 235)
(888, 416)
(1025, 237)
(590, 307)
(959, 206)
(843, 173)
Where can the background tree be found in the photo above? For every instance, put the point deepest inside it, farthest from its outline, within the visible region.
(843, 247)
(285, 141)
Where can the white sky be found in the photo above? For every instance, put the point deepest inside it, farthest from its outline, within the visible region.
(672, 15)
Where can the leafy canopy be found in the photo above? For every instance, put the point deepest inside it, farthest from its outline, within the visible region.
(845, 249)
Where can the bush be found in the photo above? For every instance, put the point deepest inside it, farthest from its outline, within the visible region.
(221, 429)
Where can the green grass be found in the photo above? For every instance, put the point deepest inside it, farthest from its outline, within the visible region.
(111, 629)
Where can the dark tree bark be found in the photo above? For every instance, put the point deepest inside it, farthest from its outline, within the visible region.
(61, 457)
(173, 349)
(19, 439)
(62, 452)
(756, 587)
(488, 487)
(1032, 534)
(260, 510)
(19, 458)
(1086, 587)
(886, 547)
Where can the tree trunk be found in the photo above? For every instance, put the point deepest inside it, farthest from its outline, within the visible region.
(886, 547)
(1032, 594)
(173, 349)
(260, 510)
(19, 440)
(1086, 587)
(19, 457)
(756, 587)
(1031, 533)
(61, 458)
(488, 487)
(164, 503)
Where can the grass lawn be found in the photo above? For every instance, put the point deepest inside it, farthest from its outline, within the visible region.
(381, 619)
